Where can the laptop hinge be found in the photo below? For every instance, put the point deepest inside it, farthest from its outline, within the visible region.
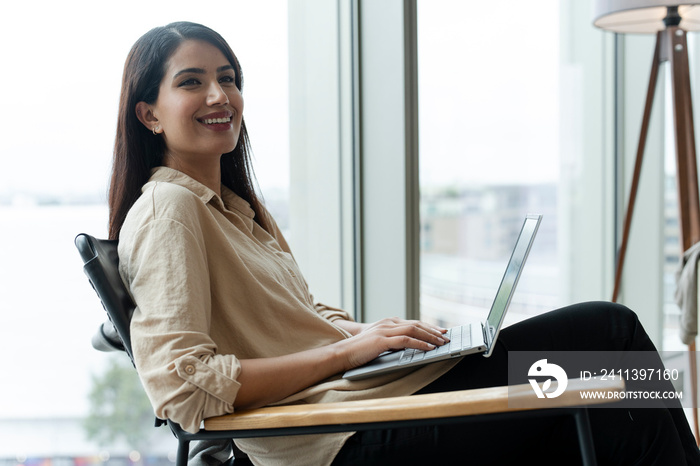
(484, 329)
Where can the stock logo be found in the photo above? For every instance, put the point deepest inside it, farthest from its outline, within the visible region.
(542, 368)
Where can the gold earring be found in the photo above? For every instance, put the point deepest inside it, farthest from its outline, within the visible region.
(155, 129)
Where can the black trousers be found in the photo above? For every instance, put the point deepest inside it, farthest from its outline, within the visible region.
(641, 436)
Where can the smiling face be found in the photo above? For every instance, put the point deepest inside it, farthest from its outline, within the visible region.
(199, 109)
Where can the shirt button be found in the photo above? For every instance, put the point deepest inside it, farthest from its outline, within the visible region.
(189, 369)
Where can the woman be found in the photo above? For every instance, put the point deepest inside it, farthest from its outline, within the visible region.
(226, 321)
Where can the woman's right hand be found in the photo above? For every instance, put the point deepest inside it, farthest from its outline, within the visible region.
(390, 334)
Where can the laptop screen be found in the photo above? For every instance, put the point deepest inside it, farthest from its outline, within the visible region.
(511, 276)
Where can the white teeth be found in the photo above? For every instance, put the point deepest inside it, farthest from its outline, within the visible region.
(211, 121)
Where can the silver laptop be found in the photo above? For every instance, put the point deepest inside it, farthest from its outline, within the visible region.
(475, 337)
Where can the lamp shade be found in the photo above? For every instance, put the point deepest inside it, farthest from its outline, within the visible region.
(643, 16)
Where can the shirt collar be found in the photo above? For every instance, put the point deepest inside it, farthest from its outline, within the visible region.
(228, 200)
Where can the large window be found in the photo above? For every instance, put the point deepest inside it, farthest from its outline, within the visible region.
(489, 103)
(64, 61)
(541, 113)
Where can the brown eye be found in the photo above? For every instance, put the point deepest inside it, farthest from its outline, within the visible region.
(189, 82)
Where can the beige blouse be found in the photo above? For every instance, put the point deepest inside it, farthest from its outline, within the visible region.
(212, 287)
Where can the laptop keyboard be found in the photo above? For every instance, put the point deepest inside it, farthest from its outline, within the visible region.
(460, 337)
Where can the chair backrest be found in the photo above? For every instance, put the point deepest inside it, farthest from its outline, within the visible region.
(101, 265)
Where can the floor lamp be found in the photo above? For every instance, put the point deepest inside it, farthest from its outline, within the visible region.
(669, 19)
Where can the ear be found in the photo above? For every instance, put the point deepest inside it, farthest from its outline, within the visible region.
(144, 112)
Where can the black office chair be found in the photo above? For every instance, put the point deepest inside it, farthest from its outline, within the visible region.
(101, 266)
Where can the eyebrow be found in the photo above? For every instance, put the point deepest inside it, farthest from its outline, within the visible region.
(201, 70)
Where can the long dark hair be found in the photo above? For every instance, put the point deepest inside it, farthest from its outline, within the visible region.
(137, 151)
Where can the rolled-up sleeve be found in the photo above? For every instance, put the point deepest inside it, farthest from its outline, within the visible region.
(165, 266)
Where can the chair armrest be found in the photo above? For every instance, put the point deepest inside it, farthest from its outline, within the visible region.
(428, 406)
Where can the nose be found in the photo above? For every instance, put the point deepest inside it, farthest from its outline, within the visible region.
(216, 95)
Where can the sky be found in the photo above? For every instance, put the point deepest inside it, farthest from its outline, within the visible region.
(488, 92)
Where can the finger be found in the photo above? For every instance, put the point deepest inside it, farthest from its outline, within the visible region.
(441, 332)
(419, 332)
(405, 341)
(436, 331)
